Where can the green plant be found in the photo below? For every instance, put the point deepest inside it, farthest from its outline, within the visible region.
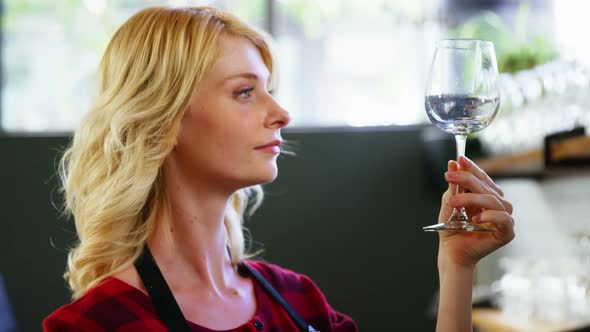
(514, 50)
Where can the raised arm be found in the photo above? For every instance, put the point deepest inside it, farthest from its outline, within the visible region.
(459, 252)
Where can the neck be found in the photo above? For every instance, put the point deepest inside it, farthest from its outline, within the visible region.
(189, 241)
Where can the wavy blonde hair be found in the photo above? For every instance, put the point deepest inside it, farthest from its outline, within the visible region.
(112, 171)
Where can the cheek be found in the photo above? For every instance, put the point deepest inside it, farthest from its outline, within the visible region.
(213, 143)
(199, 127)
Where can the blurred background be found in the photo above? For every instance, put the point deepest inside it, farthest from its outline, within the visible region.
(348, 209)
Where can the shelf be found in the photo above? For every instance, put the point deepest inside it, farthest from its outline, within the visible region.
(566, 156)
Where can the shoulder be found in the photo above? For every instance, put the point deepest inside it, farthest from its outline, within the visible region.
(284, 280)
(297, 289)
(301, 292)
(112, 305)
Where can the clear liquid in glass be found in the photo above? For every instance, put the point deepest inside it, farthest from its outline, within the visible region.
(461, 114)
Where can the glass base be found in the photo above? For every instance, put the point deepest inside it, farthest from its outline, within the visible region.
(457, 222)
(461, 226)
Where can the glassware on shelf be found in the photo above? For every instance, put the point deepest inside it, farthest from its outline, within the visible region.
(549, 98)
(552, 289)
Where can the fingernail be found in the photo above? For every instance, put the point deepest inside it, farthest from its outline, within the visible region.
(466, 162)
(452, 175)
(476, 218)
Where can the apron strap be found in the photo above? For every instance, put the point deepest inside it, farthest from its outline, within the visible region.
(301, 324)
(168, 309)
(164, 302)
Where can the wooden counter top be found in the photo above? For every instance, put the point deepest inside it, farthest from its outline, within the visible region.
(492, 320)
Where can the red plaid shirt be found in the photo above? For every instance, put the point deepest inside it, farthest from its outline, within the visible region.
(117, 306)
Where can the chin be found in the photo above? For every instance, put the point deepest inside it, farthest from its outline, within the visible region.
(258, 175)
(269, 176)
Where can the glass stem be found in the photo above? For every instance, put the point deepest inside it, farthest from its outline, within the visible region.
(461, 141)
(459, 216)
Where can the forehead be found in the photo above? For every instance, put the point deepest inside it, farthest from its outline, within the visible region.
(238, 55)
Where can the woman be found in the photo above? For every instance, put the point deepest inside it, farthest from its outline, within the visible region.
(161, 170)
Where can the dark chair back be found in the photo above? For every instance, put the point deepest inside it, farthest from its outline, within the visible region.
(7, 321)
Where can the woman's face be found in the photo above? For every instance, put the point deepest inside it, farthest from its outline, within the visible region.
(229, 121)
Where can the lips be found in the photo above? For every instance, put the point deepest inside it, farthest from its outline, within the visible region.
(274, 143)
(273, 147)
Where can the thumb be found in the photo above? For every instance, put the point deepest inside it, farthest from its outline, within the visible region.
(452, 166)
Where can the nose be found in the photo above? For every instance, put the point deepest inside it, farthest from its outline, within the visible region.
(277, 117)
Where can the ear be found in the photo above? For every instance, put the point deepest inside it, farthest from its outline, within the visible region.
(175, 143)
(176, 139)
(179, 126)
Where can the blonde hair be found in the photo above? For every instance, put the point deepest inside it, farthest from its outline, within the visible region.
(111, 173)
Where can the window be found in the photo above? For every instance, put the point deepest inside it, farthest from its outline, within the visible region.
(341, 62)
(51, 51)
(354, 63)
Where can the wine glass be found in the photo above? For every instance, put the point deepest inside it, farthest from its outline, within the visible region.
(462, 97)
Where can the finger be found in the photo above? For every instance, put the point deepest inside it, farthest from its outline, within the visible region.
(500, 220)
(452, 166)
(468, 181)
(468, 165)
(481, 201)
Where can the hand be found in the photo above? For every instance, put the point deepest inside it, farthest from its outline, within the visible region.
(485, 204)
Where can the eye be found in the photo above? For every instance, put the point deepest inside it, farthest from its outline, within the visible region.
(244, 93)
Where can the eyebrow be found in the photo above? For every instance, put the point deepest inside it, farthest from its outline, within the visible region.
(250, 76)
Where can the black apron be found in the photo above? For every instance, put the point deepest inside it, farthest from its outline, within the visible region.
(169, 311)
